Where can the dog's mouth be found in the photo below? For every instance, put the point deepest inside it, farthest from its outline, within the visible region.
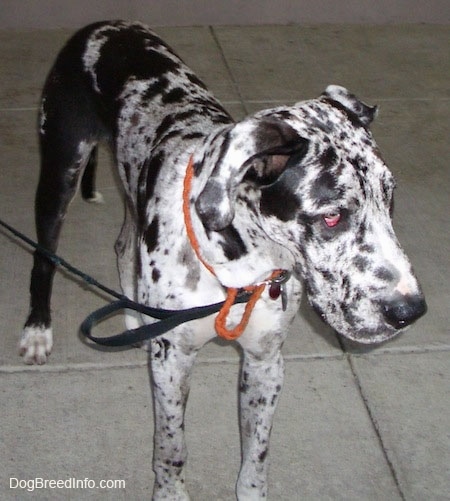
(355, 329)
(372, 335)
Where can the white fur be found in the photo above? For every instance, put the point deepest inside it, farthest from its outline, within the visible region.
(36, 344)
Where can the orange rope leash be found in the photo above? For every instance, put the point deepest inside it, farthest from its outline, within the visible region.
(187, 215)
(256, 290)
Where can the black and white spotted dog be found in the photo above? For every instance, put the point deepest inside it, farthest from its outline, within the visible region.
(301, 188)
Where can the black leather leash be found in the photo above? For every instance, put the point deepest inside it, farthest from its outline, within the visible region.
(167, 319)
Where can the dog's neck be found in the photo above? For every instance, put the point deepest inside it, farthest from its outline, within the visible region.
(230, 253)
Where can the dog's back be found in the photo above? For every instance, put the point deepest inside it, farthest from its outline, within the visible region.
(120, 82)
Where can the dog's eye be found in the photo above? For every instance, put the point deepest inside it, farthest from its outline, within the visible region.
(332, 219)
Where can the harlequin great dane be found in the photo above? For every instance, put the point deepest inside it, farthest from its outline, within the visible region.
(214, 206)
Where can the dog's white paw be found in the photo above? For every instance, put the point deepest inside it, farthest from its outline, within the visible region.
(36, 344)
(97, 198)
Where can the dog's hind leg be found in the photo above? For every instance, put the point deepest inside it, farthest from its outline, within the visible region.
(67, 135)
(57, 186)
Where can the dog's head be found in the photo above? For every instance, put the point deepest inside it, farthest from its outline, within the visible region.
(326, 195)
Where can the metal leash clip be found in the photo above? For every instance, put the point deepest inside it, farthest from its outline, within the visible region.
(278, 287)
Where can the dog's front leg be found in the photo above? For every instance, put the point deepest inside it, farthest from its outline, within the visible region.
(260, 385)
(171, 370)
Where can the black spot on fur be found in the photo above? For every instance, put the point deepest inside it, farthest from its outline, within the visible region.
(126, 54)
(170, 135)
(151, 234)
(279, 199)
(164, 348)
(284, 115)
(207, 206)
(262, 455)
(154, 166)
(185, 115)
(361, 263)
(232, 243)
(170, 121)
(384, 274)
(146, 185)
(210, 110)
(360, 165)
(223, 118)
(155, 89)
(327, 276)
(346, 288)
(367, 248)
(193, 135)
(195, 80)
(174, 96)
(328, 157)
(325, 188)
(156, 275)
(274, 398)
(164, 126)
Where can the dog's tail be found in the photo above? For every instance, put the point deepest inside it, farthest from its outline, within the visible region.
(88, 191)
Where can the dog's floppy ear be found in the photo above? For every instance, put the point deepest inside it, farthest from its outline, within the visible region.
(262, 146)
(365, 113)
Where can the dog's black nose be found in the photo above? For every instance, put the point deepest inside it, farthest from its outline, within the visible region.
(404, 310)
